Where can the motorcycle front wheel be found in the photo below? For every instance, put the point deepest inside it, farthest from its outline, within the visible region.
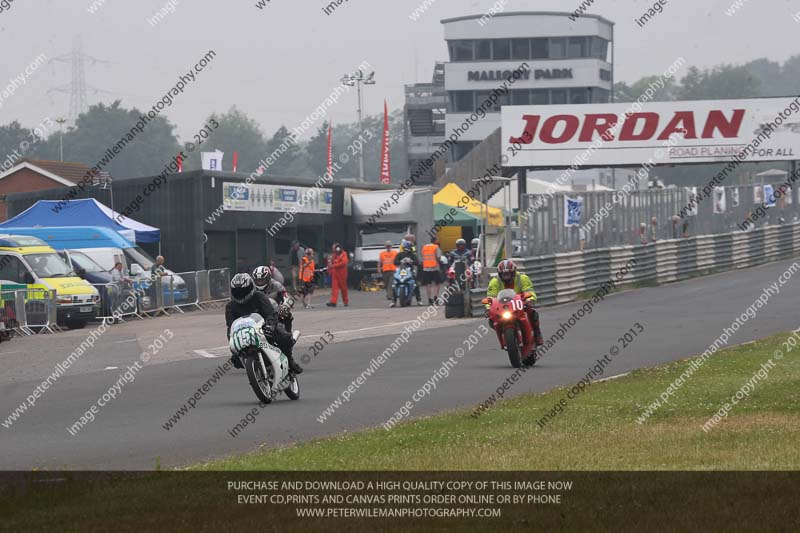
(405, 298)
(293, 390)
(261, 384)
(512, 347)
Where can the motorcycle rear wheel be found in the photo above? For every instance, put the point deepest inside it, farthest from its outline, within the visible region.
(262, 385)
(512, 347)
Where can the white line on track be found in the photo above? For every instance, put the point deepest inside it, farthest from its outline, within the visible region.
(206, 354)
(128, 340)
(111, 368)
(609, 378)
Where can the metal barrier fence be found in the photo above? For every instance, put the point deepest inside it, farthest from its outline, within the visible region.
(173, 291)
(219, 282)
(560, 278)
(28, 311)
(189, 291)
(117, 299)
(150, 297)
(545, 230)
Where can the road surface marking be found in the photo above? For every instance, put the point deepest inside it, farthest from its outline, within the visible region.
(609, 378)
(333, 332)
(111, 368)
(206, 354)
(129, 340)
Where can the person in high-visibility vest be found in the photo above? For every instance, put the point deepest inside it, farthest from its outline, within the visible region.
(431, 271)
(387, 269)
(306, 276)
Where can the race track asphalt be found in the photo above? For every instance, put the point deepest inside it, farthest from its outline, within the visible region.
(679, 320)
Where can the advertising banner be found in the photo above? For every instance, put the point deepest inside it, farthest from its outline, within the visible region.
(720, 203)
(769, 195)
(757, 129)
(573, 211)
(212, 160)
(276, 198)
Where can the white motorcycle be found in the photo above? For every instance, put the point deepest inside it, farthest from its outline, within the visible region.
(266, 365)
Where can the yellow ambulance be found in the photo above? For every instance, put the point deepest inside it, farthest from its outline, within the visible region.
(29, 261)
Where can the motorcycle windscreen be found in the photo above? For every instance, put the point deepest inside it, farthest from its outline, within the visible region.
(506, 295)
(241, 323)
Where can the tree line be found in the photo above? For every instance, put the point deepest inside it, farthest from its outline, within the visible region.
(97, 129)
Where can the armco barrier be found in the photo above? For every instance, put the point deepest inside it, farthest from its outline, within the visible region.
(561, 278)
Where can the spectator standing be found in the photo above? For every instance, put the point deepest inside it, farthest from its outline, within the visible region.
(388, 268)
(158, 269)
(295, 258)
(581, 238)
(431, 270)
(307, 273)
(117, 274)
(337, 267)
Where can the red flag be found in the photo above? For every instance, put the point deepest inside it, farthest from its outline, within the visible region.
(179, 161)
(235, 160)
(386, 171)
(330, 152)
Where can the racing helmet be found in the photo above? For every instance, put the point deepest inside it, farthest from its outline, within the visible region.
(262, 276)
(460, 243)
(242, 288)
(506, 270)
(475, 242)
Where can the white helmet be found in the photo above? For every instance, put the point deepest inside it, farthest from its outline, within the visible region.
(262, 277)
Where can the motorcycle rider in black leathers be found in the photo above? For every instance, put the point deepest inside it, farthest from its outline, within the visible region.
(461, 252)
(262, 277)
(407, 251)
(245, 300)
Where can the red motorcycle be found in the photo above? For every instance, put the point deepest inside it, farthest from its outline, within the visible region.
(515, 332)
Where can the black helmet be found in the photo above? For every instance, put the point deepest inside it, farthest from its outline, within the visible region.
(242, 288)
(262, 276)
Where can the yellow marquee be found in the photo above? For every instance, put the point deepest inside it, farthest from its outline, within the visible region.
(452, 194)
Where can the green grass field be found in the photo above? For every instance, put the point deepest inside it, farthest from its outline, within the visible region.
(596, 431)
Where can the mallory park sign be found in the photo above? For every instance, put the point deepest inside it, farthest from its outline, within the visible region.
(538, 74)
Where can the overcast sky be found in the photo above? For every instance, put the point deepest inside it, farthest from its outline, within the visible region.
(279, 63)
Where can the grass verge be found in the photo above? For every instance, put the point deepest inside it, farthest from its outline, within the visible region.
(596, 431)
